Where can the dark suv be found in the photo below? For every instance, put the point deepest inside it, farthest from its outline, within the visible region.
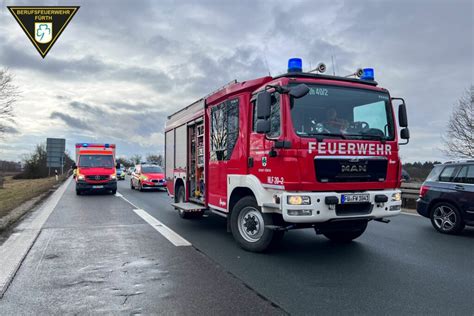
(447, 196)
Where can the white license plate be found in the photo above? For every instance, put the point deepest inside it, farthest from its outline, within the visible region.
(355, 198)
(97, 186)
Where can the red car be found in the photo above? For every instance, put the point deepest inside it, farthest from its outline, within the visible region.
(147, 177)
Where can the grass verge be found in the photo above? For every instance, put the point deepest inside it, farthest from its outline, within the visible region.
(16, 192)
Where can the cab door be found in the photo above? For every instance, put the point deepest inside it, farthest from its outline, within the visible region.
(266, 168)
(225, 150)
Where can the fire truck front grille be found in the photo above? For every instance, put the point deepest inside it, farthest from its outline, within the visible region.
(353, 209)
(97, 177)
(351, 169)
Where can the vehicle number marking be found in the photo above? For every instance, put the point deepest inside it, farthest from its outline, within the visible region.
(275, 180)
(355, 198)
(319, 91)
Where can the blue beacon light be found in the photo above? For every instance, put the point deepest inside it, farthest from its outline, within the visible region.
(295, 65)
(368, 74)
(85, 145)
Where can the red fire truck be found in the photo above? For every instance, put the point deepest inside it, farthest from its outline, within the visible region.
(95, 168)
(299, 150)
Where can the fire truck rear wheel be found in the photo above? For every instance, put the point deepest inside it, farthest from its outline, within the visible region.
(180, 198)
(248, 226)
(348, 235)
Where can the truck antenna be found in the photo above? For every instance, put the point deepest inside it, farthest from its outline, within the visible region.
(333, 67)
(266, 62)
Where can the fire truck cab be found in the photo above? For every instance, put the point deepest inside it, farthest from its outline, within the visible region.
(299, 150)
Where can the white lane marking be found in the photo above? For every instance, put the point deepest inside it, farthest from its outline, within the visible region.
(125, 199)
(164, 230)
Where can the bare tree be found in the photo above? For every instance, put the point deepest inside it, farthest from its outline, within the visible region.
(155, 159)
(136, 159)
(459, 137)
(8, 96)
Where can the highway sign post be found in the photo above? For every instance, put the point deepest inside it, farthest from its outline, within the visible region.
(55, 148)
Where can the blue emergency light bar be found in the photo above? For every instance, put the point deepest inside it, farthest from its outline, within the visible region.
(368, 74)
(295, 65)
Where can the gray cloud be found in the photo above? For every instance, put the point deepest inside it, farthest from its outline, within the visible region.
(69, 120)
(123, 77)
(10, 130)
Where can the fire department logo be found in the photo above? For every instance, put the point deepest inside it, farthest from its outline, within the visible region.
(43, 25)
(43, 32)
(264, 161)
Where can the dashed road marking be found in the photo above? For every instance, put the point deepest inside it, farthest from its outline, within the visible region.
(164, 230)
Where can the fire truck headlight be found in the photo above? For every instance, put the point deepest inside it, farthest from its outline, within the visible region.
(80, 177)
(396, 196)
(299, 200)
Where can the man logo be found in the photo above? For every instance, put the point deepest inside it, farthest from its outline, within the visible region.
(43, 32)
(353, 168)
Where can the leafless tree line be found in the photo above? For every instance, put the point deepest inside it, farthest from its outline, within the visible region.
(8, 96)
(459, 137)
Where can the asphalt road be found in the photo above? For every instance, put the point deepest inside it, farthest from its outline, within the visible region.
(96, 255)
(403, 267)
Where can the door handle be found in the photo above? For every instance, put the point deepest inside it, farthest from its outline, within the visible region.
(459, 187)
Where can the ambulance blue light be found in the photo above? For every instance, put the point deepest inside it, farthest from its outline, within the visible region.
(85, 145)
(107, 145)
(368, 74)
(295, 65)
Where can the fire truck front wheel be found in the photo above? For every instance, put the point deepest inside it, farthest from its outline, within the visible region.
(248, 226)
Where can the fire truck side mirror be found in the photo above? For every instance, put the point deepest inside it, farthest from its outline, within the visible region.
(299, 91)
(405, 133)
(263, 104)
(263, 126)
(402, 115)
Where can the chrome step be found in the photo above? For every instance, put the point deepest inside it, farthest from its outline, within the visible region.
(189, 207)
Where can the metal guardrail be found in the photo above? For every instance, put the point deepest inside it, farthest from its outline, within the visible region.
(410, 192)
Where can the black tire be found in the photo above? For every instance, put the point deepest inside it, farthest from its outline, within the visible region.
(346, 236)
(252, 235)
(197, 214)
(131, 185)
(446, 218)
(180, 198)
(140, 187)
(113, 192)
(78, 192)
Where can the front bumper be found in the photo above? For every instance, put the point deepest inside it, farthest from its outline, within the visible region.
(153, 185)
(422, 208)
(86, 186)
(322, 212)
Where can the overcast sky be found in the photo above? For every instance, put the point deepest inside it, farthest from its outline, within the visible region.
(121, 67)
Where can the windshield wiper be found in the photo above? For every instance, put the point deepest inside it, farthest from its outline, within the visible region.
(326, 134)
(370, 136)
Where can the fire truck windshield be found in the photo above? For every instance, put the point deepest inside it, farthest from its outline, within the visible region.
(96, 161)
(343, 112)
